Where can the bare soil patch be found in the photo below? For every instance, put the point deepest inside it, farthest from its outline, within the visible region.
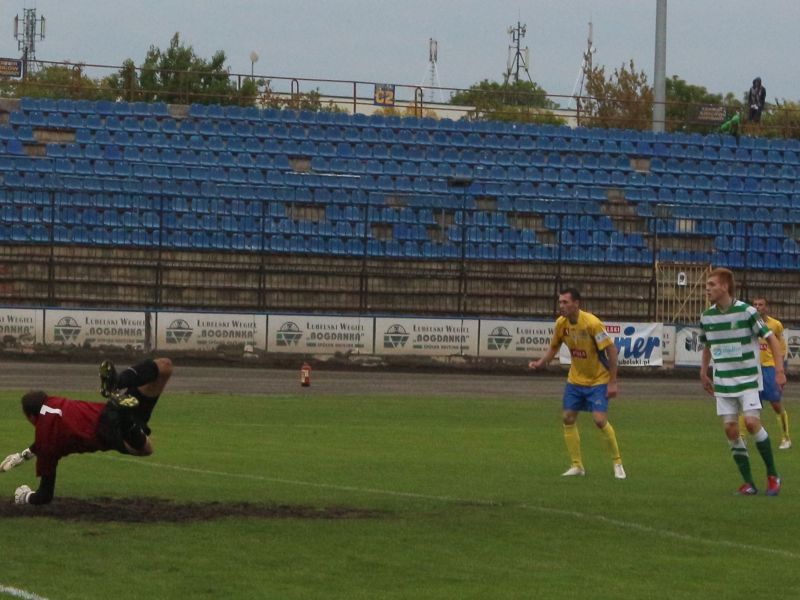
(159, 510)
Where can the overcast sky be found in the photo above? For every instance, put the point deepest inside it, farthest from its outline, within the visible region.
(721, 44)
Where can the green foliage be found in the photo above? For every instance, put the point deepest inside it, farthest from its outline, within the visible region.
(623, 99)
(491, 95)
(779, 120)
(177, 75)
(56, 81)
(684, 100)
(520, 101)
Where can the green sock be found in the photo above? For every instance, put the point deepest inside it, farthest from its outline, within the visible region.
(765, 449)
(742, 460)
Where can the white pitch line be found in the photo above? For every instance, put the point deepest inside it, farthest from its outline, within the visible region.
(542, 509)
(17, 593)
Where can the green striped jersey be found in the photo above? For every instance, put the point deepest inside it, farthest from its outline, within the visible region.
(732, 338)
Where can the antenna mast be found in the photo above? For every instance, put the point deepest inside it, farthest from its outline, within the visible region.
(518, 57)
(431, 79)
(586, 66)
(27, 38)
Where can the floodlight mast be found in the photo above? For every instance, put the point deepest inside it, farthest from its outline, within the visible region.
(660, 75)
(253, 61)
(27, 38)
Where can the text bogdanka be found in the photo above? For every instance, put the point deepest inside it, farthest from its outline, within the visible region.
(441, 334)
(16, 325)
(121, 327)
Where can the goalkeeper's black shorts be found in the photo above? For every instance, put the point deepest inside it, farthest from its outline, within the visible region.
(117, 426)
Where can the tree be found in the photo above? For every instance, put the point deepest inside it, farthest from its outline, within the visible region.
(178, 75)
(521, 101)
(780, 120)
(622, 100)
(684, 101)
(56, 81)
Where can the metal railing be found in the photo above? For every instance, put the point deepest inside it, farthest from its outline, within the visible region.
(359, 96)
(451, 254)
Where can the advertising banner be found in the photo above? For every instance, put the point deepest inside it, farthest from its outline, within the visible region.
(668, 345)
(209, 331)
(515, 339)
(94, 328)
(688, 347)
(10, 67)
(308, 334)
(638, 344)
(21, 327)
(426, 337)
(792, 337)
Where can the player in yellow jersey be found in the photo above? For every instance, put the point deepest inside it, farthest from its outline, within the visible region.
(771, 392)
(592, 377)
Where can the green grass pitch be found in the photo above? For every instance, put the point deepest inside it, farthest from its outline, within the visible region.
(468, 499)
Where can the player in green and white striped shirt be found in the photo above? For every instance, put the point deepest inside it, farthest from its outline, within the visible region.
(731, 331)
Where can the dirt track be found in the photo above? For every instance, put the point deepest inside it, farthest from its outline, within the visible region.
(53, 377)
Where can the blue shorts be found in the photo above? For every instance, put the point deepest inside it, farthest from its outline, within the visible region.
(771, 391)
(587, 398)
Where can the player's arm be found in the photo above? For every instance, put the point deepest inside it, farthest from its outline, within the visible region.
(544, 360)
(775, 346)
(705, 363)
(782, 343)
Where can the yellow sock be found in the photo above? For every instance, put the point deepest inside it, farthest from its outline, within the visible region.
(783, 423)
(573, 440)
(742, 427)
(611, 443)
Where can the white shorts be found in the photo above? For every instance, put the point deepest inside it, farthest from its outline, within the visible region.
(747, 401)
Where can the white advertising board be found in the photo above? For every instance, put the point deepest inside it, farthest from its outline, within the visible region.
(94, 328)
(515, 339)
(638, 344)
(426, 337)
(24, 325)
(668, 345)
(319, 334)
(688, 347)
(209, 331)
(792, 337)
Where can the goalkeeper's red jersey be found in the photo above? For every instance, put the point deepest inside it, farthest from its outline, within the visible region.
(65, 427)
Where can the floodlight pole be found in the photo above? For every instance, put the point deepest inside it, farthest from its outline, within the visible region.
(253, 61)
(660, 75)
(462, 183)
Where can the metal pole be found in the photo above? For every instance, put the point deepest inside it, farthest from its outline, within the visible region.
(660, 76)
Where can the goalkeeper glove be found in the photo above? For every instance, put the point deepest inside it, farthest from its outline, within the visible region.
(14, 460)
(22, 495)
